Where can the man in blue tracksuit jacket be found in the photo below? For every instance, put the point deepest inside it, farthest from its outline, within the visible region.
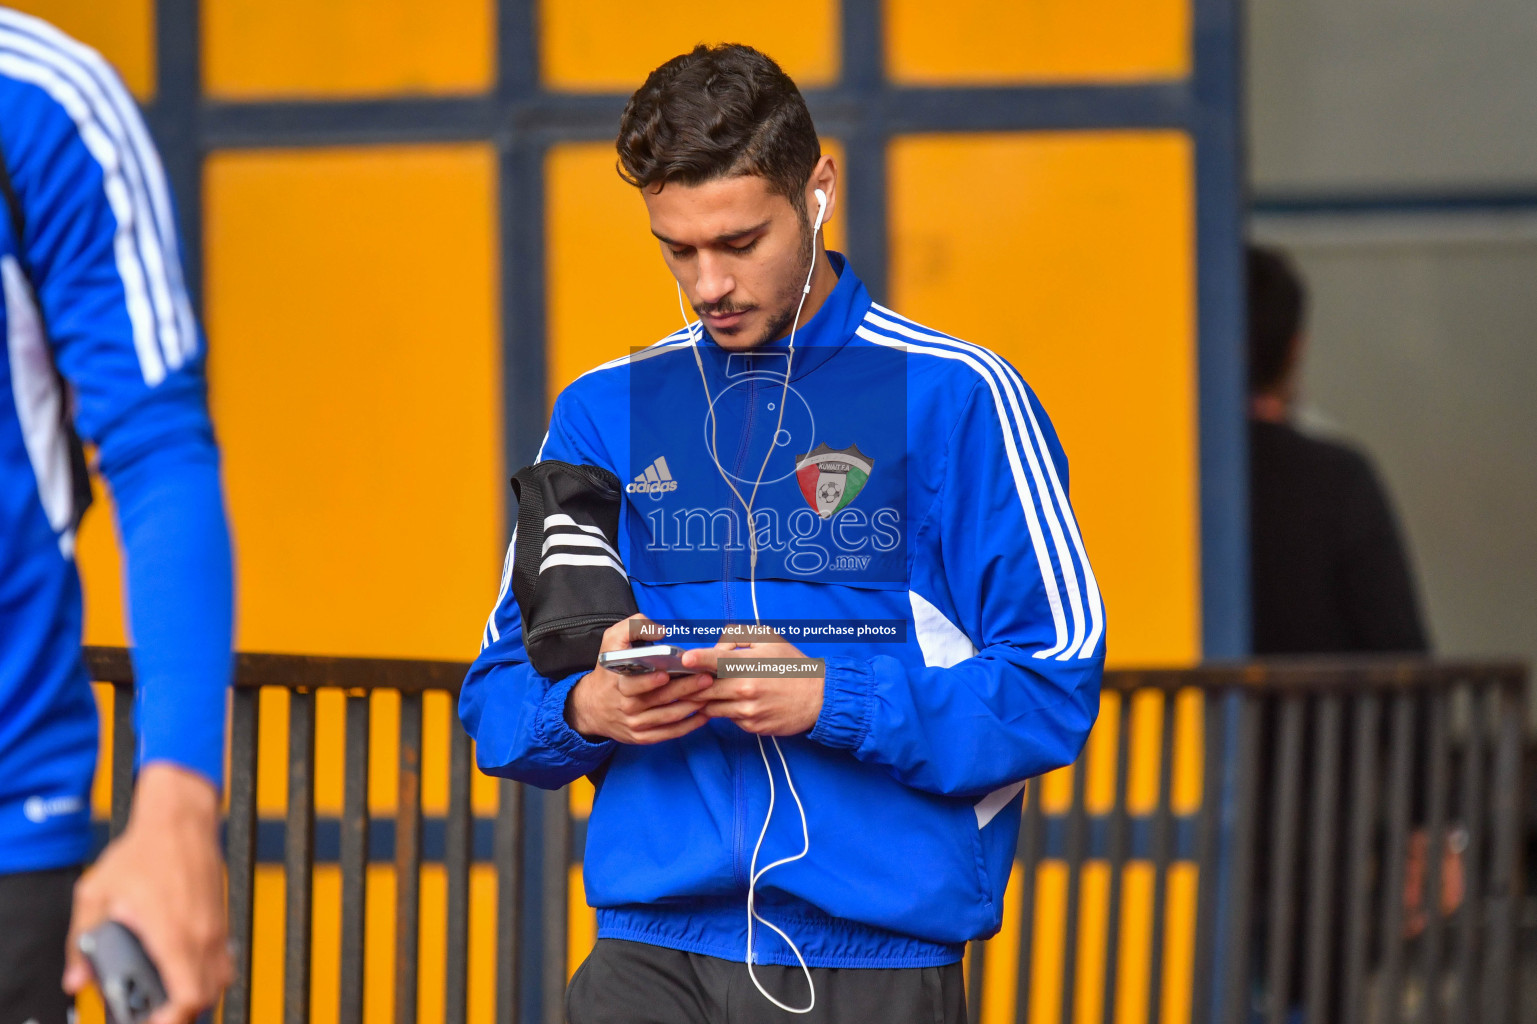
(100, 343)
(906, 481)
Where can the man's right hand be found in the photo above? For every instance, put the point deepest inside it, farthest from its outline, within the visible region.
(635, 709)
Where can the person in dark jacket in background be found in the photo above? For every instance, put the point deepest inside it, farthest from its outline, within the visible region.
(1330, 574)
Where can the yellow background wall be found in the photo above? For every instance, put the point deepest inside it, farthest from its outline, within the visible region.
(259, 49)
(1036, 41)
(356, 379)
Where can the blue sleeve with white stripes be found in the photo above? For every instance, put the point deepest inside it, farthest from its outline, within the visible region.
(1009, 616)
(101, 252)
(517, 716)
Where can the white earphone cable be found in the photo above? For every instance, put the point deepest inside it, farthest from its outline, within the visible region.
(754, 872)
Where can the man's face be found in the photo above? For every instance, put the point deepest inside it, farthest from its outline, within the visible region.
(740, 252)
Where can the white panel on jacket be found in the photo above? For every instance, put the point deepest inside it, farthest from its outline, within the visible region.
(39, 403)
(943, 644)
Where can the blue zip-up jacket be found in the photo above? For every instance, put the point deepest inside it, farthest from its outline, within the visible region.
(98, 333)
(917, 485)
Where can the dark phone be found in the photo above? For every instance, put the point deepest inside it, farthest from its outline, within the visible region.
(130, 985)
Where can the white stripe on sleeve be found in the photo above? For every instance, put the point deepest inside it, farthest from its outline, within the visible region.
(152, 228)
(1035, 441)
(1026, 502)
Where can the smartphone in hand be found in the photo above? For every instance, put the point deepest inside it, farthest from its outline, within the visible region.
(130, 985)
(639, 661)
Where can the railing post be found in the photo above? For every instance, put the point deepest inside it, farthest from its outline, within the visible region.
(1235, 867)
(1504, 876)
(1032, 840)
(1365, 766)
(1077, 843)
(1117, 854)
(1322, 909)
(124, 743)
(1208, 841)
(1437, 780)
(456, 855)
(408, 859)
(557, 863)
(299, 857)
(509, 900)
(354, 859)
(1286, 809)
(240, 848)
(1482, 706)
(1163, 827)
(1395, 855)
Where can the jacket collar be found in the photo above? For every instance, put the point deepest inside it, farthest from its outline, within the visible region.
(817, 340)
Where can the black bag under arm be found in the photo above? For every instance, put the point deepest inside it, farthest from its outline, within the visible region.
(567, 575)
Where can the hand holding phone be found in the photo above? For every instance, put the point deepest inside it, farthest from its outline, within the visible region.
(637, 695)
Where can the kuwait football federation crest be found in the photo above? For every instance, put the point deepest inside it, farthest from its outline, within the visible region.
(831, 479)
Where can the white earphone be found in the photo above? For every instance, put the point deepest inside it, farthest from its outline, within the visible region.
(754, 872)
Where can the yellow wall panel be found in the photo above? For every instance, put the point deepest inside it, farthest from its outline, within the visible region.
(1093, 931)
(101, 570)
(611, 45)
(1046, 943)
(1013, 41)
(122, 30)
(1072, 255)
(1099, 756)
(356, 390)
(1142, 781)
(1001, 956)
(1179, 943)
(262, 48)
(599, 246)
(1056, 789)
(1189, 750)
(101, 782)
(1134, 966)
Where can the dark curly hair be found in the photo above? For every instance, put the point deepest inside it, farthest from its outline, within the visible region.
(714, 112)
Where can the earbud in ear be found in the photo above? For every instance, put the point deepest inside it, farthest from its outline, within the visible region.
(821, 207)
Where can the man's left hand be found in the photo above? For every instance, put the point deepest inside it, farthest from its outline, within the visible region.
(766, 705)
(163, 878)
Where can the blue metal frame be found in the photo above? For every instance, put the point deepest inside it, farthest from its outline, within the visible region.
(523, 120)
(1224, 455)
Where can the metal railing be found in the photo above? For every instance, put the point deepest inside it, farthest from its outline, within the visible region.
(1317, 780)
(1317, 776)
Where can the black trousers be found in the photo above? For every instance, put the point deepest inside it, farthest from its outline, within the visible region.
(34, 925)
(634, 983)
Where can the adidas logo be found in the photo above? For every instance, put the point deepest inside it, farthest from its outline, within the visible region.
(656, 480)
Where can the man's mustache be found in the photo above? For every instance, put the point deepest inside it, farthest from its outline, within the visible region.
(725, 307)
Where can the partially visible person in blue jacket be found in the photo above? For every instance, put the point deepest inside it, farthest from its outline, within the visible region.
(101, 345)
(895, 475)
